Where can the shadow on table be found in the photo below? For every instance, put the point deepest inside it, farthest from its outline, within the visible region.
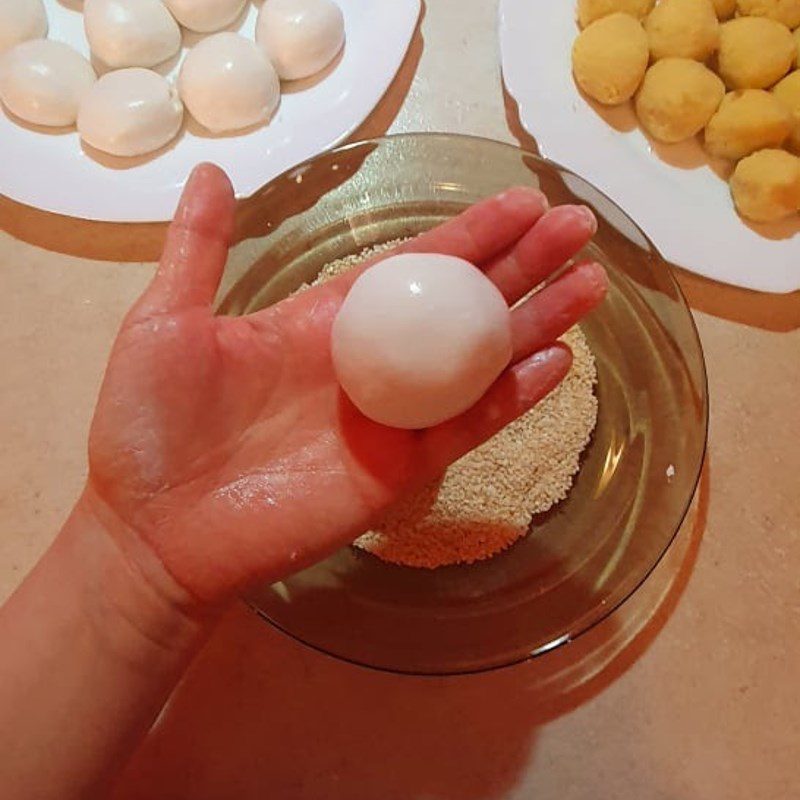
(138, 242)
(259, 715)
(772, 312)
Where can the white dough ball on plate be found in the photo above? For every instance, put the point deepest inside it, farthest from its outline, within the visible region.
(205, 16)
(300, 37)
(419, 339)
(130, 112)
(43, 82)
(130, 33)
(227, 83)
(21, 20)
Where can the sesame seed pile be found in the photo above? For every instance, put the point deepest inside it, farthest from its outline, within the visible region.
(485, 501)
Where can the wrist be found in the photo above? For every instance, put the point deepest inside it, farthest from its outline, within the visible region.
(94, 641)
(136, 607)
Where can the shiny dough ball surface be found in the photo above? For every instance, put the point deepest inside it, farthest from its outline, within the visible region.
(205, 16)
(677, 99)
(766, 185)
(609, 58)
(43, 82)
(419, 339)
(21, 20)
(130, 33)
(683, 29)
(745, 122)
(300, 37)
(785, 11)
(130, 112)
(755, 52)
(591, 10)
(787, 93)
(227, 83)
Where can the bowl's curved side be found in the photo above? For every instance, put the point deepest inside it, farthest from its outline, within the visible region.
(639, 474)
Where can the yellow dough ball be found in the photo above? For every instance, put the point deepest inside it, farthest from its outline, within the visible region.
(591, 10)
(677, 99)
(788, 94)
(609, 58)
(797, 44)
(683, 29)
(724, 8)
(785, 11)
(755, 52)
(766, 185)
(747, 121)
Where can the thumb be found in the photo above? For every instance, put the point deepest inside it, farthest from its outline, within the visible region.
(196, 247)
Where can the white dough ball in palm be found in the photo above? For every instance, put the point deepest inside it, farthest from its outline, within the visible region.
(419, 339)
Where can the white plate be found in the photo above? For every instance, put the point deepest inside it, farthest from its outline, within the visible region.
(671, 191)
(51, 171)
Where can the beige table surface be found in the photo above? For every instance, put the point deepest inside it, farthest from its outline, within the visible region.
(707, 710)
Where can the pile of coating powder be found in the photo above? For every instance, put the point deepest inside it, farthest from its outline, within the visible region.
(485, 501)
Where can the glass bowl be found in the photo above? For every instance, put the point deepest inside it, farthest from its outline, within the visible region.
(586, 556)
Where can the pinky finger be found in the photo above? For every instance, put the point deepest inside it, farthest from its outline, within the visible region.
(516, 391)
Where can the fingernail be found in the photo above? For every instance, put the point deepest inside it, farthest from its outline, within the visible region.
(185, 204)
(590, 218)
(196, 176)
(555, 359)
(596, 274)
(545, 201)
(530, 194)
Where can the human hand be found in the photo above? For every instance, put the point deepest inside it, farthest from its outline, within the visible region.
(224, 444)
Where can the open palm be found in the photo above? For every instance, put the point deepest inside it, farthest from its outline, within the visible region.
(226, 445)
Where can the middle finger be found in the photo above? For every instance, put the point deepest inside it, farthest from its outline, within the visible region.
(558, 236)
